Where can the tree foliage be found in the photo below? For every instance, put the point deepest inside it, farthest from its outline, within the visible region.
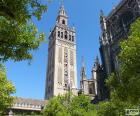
(6, 89)
(18, 35)
(82, 106)
(125, 84)
(69, 105)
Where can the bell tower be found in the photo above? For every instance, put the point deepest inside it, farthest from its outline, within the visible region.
(62, 68)
(62, 17)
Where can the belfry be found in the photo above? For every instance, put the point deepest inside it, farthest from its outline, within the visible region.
(61, 68)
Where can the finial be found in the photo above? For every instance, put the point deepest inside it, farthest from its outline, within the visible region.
(114, 7)
(97, 60)
(50, 31)
(83, 72)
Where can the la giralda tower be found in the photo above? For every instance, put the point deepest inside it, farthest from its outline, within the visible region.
(62, 68)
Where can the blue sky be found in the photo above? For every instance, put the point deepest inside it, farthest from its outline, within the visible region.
(84, 15)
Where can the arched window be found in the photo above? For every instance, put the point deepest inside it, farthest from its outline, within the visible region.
(69, 37)
(61, 34)
(73, 38)
(63, 22)
(58, 33)
(66, 35)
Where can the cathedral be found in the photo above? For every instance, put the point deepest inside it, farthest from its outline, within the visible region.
(115, 28)
(62, 68)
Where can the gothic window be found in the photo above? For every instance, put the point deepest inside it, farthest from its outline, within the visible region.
(61, 34)
(72, 38)
(63, 22)
(71, 57)
(60, 55)
(66, 36)
(69, 37)
(58, 33)
(60, 75)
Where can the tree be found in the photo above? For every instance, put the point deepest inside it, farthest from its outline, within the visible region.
(82, 106)
(18, 35)
(125, 84)
(6, 89)
(56, 107)
(69, 105)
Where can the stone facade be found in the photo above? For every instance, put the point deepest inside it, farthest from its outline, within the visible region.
(115, 28)
(62, 69)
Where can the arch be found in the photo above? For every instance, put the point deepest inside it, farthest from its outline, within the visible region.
(72, 38)
(63, 22)
(66, 36)
(58, 33)
(61, 34)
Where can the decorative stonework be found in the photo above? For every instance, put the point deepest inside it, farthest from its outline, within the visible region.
(65, 67)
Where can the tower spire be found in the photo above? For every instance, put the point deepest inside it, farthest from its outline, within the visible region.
(96, 63)
(83, 63)
(83, 71)
(62, 17)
